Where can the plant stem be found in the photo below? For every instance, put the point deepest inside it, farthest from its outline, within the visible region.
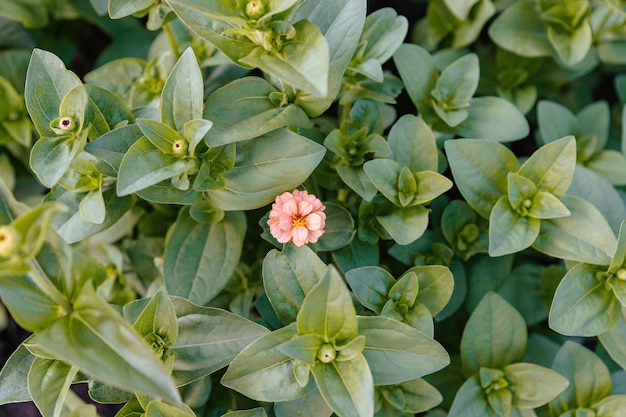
(170, 36)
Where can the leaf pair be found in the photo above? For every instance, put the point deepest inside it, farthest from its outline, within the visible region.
(492, 346)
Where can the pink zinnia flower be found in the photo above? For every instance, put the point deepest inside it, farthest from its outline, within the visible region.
(297, 217)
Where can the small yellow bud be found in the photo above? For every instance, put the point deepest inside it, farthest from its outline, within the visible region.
(255, 9)
(9, 241)
(621, 274)
(326, 354)
(527, 203)
(179, 147)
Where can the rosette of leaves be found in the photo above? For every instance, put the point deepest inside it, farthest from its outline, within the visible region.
(358, 140)
(414, 298)
(57, 102)
(590, 297)
(589, 389)
(498, 383)
(408, 180)
(329, 350)
(383, 32)
(465, 231)
(460, 22)
(526, 204)
(590, 126)
(259, 34)
(561, 29)
(445, 97)
(608, 21)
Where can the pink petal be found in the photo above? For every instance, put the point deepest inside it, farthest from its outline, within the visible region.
(314, 221)
(290, 207)
(304, 208)
(300, 235)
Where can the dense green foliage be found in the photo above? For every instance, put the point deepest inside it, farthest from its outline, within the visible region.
(471, 165)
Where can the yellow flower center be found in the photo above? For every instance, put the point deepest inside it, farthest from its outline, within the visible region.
(298, 221)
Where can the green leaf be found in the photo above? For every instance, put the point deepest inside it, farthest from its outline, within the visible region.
(303, 61)
(419, 73)
(370, 285)
(405, 224)
(288, 276)
(413, 144)
(262, 372)
(74, 227)
(303, 348)
(396, 352)
(470, 401)
(436, 284)
(487, 164)
(112, 146)
(244, 109)
(346, 386)
(96, 340)
(270, 164)
(589, 378)
(551, 167)
(519, 29)
(532, 385)
(547, 206)
(484, 120)
(208, 339)
(119, 8)
(159, 318)
(159, 134)
(200, 258)
(13, 382)
(583, 236)
(614, 341)
(571, 47)
(583, 305)
(609, 164)
(341, 23)
(495, 336)
(338, 229)
(555, 121)
(255, 412)
(509, 231)
(182, 98)
(327, 310)
(455, 87)
(357, 180)
(47, 83)
(311, 405)
(48, 382)
(51, 156)
(144, 165)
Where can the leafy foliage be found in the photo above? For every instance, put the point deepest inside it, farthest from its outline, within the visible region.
(468, 174)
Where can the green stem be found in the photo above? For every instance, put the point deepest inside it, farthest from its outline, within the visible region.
(42, 281)
(170, 36)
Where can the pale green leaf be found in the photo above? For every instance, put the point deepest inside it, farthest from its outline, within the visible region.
(583, 305)
(495, 336)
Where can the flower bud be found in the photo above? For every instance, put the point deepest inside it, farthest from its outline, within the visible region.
(179, 147)
(326, 354)
(66, 123)
(255, 9)
(9, 241)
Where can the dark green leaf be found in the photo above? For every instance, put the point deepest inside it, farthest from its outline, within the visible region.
(200, 258)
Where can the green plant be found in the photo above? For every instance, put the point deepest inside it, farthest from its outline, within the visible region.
(250, 208)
